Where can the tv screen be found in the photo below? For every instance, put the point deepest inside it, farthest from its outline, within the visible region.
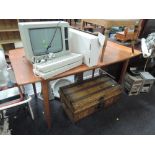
(40, 38)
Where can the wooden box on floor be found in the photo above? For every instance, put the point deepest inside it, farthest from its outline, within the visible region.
(82, 99)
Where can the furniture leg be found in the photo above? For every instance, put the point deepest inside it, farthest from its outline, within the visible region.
(133, 46)
(20, 88)
(103, 49)
(34, 89)
(123, 71)
(82, 25)
(79, 77)
(106, 33)
(47, 107)
(93, 72)
(1, 115)
(30, 110)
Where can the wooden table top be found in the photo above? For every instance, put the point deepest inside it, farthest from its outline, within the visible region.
(108, 23)
(114, 53)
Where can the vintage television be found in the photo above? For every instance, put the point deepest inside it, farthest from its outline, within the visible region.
(46, 46)
(43, 40)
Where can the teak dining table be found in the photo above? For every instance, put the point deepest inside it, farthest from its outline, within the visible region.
(23, 70)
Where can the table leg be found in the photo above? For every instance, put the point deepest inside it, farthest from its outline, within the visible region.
(133, 46)
(103, 49)
(106, 34)
(123, 71)
(47, 107)
(79, 77)
(93, 72)
(34, 89)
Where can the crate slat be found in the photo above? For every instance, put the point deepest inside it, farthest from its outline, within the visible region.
(82, 99)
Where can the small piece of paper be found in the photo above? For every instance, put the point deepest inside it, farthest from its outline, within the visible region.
(101, 38)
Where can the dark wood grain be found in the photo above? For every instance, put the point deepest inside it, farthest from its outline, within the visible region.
(90, 94)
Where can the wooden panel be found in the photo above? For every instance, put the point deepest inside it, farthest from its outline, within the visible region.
(9, 32)
(109, 23)
(9, 29)
(8, 41)
(7, 24)
(73, 89)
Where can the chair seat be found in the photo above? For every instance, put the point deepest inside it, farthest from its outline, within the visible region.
(14, 98)
(9, 95)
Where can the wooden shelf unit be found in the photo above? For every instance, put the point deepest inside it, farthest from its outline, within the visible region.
(9, 33)
(8, 29)
(9, 41)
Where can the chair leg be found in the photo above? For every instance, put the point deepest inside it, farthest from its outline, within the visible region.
(1, 115)
(34, 89)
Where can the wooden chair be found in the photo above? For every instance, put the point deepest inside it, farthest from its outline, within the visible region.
(12, 95)
(129, 35)
(94, 28)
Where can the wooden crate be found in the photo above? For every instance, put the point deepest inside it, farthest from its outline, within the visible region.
(82, 99)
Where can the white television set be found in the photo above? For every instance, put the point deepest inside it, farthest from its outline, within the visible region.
(86, 44)
(43, 40)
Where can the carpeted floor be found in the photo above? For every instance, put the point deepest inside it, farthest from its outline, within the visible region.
(130, 116)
